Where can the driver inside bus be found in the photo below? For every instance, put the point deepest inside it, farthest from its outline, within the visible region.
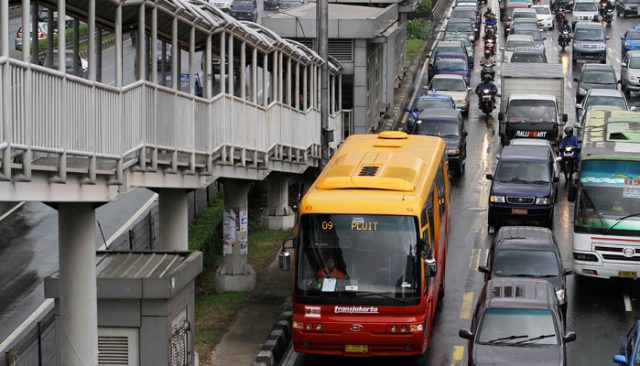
(329, 270)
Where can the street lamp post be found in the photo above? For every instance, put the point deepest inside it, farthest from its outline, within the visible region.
(322, 32)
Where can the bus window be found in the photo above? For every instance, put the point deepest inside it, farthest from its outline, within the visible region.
(441, 189)
(427, 216)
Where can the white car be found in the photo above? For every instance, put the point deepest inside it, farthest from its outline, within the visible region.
(453, 86)
(513, 41)
(545, 18)
(584, 10)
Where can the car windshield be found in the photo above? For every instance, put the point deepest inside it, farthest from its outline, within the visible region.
(524, 14)
(463, 13)
(634, 63)
(442, 128)
(599, 77)
(451, 65)
(448, 84)
(526, 263)
(512, 44)
(522, 172)
(244, 4)
(459, 27)
(542, 10)
(459, 37)
(513, 327)
(589, 34)
(585, 6)
(433, 103)
(449, 49)
(607, 192)
(605, 101)
(531, 111)
(633, 35)
(344, 255)
(534, 33)
(528, 58)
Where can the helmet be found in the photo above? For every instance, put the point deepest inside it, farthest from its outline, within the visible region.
(568, 131)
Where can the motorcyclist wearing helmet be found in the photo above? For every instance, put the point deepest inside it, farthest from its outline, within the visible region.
(605, 5)
(564, 25)
(486, 84)
(487, 59)
(490, 18)
(570, 140)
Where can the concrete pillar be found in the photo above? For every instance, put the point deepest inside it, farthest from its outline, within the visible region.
(279, 214)
(208, 84)
(305, 91)
(174, 219)
(243, 70)
(93, 62)
(154, 47)
(175, 67)
(230, 77)
(141, 44)
(274, 76)
(118, 53)
(223, 57)
(265, 79)
(26, 24)
(192, 61)
(254, 76)
(235, 273)
(77, 309)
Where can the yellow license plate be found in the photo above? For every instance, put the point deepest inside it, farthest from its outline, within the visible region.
(356, 348)
(627, 274)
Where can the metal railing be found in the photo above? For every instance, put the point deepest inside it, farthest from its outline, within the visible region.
(55, 113)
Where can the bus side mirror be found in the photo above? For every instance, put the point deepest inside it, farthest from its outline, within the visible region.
(465, 333)
(284, 257)
(569, 337)
(431, 266)
(620, 359)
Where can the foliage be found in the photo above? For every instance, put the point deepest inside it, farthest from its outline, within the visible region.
(418, 29)
(413, 46)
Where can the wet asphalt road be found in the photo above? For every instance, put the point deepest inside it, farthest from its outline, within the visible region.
(29, 251)
(596, 311)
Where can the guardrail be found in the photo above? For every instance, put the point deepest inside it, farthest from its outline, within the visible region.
(53, 113)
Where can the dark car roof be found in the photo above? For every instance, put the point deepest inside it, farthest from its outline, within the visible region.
(507, 292)
(440, 113)
(603, 67)
(526, 237)
(524, 152)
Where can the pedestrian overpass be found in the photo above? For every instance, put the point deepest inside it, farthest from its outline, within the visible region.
(210, 98)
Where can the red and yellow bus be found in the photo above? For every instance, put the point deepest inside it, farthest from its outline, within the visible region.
(371, 248)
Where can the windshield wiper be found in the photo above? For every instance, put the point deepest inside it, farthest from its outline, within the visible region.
(518, 180)
(620, 220)
(369, 293)
(534, 339)
(539, 181)
(504, 339)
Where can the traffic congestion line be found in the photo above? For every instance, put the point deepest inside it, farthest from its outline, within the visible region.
(467, 302)
(457, 355)
(627, 302)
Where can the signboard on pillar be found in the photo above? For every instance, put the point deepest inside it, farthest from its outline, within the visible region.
(243, 232)
(229, 229)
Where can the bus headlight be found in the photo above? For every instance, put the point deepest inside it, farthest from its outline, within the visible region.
(497, 199)
(543, 201)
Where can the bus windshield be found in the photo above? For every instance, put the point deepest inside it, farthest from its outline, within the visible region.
(353, 259)
(609, 191)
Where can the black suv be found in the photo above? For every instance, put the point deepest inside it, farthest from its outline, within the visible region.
(523, 188)
(448, 124)
(517, 321)
(525, 251)
(594, 76)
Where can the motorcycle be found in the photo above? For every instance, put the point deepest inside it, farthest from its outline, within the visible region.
(560, 15)
(486, 102)
(489, 45)
(487, 69)
(568, 154)
(565, 39)
(606, 15)
(490, 32)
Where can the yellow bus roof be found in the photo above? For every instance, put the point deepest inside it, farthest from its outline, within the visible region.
(387, 173)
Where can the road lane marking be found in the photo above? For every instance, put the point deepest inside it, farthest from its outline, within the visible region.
(129, 222)
(467, 301)
(12, 210)
(627, 302)
(46, 306)
(475, 258)
(456, 355)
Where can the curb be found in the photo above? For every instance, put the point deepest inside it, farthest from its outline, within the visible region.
(275, 347)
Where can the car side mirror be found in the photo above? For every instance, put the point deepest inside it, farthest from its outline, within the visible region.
(579, 106)
(568, 271)
(483, 269)
(608, 38)
(465, 333)
(500, 116)
(565, 118)
(623, 64)
(556, 179)
(569, 337)
(576, 80)
(465, 134)
(620, 359)
(489, 176)
(633, 108)
(406, 109)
